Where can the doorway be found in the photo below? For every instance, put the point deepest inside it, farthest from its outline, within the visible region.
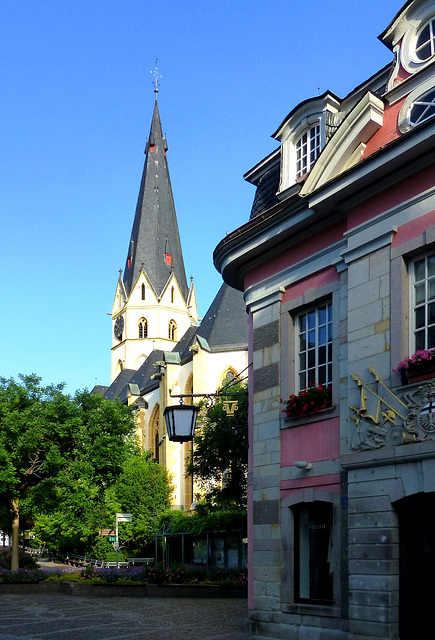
(417, 565)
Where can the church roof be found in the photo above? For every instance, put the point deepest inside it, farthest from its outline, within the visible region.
(121, 381)
(155, 243)
(225, 325)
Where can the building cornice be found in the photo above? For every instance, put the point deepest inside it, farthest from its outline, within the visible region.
(289, 221)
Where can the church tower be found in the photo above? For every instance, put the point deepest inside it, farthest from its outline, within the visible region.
(153, 306)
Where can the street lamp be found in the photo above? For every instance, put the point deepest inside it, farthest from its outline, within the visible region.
(181, 419)
(181, 422)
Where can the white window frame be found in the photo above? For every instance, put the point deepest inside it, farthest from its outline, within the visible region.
(417, 95)
(308, 147)
(412, 27)
(317, 329)
(422, 304)
(429, 41)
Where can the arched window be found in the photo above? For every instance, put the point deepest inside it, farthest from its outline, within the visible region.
(229, 375)
(172, 294)
(425, 45)
(118, 368)
(143, 328)
(423, 108)
(142, 291)
(172, 333)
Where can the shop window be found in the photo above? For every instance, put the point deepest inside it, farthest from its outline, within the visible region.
(313, 553)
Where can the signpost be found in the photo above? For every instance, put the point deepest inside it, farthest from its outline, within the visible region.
(120, 517)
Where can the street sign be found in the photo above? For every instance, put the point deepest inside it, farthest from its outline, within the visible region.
(112, 538)
(116, 546)
(106, 532)
(123, 517)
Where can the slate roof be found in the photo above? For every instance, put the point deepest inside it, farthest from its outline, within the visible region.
(225, 325)
(155, 229)
(267, 188)
(117, 386)
(223, 328)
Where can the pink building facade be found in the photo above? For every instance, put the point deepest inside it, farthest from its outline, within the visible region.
(337, 266)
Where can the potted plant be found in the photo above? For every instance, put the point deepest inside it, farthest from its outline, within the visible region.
(418, 367)
(308, 401)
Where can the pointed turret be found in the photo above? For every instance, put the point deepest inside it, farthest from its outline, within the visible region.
(155, 245)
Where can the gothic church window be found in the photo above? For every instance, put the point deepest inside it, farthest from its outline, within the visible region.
(172, 333)
(143, 328)
(142, 291)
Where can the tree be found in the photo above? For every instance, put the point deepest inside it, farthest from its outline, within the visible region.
(219, 461)
(51, 443)
(143, 489)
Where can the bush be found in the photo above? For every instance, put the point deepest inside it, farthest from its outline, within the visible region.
(25, 561)
(22, 575)
(158, 574)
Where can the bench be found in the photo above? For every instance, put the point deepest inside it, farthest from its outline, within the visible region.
(140, 560)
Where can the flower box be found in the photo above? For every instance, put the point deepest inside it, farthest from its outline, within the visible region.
(307, 402)
(418, 367)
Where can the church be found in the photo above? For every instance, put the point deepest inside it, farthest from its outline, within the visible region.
(159, 345)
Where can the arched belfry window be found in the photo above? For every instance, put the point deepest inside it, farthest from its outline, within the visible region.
(142, 291)
(172, 333)
(229, 375)
(143, 328)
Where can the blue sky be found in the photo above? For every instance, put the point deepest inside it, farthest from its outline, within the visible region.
(77, 100)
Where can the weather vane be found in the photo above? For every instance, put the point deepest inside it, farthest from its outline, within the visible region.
(157, 77)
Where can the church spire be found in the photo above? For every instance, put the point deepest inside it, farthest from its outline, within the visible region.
(155, 243)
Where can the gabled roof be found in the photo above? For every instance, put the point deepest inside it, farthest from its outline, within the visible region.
(121, 381)
(155, 243)
(225, 325)
(143, 376)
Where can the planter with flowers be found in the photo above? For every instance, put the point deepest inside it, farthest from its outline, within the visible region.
(420, 366)
(308, 401)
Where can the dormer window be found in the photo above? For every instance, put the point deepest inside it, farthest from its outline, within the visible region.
(422, 109)
(307, 150)
(425, 44)
(303, 135)
(418, 107)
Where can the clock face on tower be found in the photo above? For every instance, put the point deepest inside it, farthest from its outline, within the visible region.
(119, 327)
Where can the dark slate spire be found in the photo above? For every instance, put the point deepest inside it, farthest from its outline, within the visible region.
(155, 243)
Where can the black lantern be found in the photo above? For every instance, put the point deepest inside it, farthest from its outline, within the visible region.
(180, 422)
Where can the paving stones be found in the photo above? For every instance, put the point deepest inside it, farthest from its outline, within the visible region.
(62, 617)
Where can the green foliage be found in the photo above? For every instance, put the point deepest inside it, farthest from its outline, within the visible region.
(26, 561)
(219, 461)
(143, 489)
(58, 455)
(207, 519)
